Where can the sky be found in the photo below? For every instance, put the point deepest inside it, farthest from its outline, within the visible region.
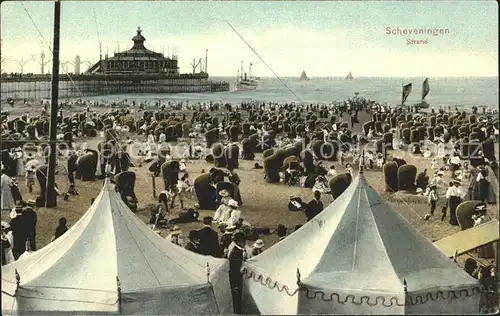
(326, 39)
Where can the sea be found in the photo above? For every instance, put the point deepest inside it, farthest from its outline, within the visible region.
(455, 91)
(461, 92)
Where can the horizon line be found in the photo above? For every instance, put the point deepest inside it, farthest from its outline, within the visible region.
(322, 77)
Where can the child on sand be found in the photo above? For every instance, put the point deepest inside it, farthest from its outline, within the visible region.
(432, 198)
(30, 178)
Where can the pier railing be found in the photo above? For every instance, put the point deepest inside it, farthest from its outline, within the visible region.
(16, 77)
(38, 86)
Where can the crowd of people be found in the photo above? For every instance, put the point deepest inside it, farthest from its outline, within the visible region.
(227, 234)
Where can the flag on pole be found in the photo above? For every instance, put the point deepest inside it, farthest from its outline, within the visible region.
(406, 92)
(425, 88)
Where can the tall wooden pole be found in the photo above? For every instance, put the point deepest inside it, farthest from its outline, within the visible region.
(402, 92)
(51, 200)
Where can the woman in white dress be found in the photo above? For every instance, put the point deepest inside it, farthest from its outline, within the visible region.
(222, 212)
(19, 156)
(434, 164)
(395, 142)
(233, 214)
(332, 172)
(163, 138)
(184, 189)
(380, 160)
(6, 184)
(321, 185)
(149, 148)
(440, 150)
(7, 235)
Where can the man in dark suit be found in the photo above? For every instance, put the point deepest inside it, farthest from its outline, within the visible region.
(236, 258)
(19, 232)
(209, 239)
(72, 168)
(314, 207)
(29, 221)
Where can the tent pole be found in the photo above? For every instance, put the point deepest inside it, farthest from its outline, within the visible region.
(406, 291)
(207, 270)
(154, 185)
(18, 281)
(362, 166)
(298, 276)
(119, 290)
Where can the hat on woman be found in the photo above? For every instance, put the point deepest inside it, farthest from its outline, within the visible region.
(230, 229)
(224, 193)
(480, 207)
(176, 230)
(258, 243)
(16, 211)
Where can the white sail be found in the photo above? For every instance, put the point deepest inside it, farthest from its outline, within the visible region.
(303, 76)
(349, 76)
(425, 89)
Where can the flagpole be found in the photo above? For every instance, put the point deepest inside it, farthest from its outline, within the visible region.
(402, 91)
(422, 85)
(50, 198)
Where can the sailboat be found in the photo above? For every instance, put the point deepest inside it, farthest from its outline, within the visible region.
(245, 82)
(303, 76)
(349, 76)
(425, 91)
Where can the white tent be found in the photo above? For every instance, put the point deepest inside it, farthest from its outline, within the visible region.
(111, 262)
(354, 258)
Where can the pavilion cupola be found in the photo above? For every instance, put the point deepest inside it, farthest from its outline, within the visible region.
(139, 39)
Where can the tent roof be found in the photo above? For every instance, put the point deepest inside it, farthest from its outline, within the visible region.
(358, 242)
(109, 241)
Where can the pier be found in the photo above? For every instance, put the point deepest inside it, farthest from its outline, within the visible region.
(80, 85)
(137, 70)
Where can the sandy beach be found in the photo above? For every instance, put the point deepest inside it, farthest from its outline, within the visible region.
(264, 204)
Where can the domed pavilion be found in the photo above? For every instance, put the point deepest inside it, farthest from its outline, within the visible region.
(137, 60)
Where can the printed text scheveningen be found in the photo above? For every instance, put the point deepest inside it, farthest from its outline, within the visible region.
(415, 31)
